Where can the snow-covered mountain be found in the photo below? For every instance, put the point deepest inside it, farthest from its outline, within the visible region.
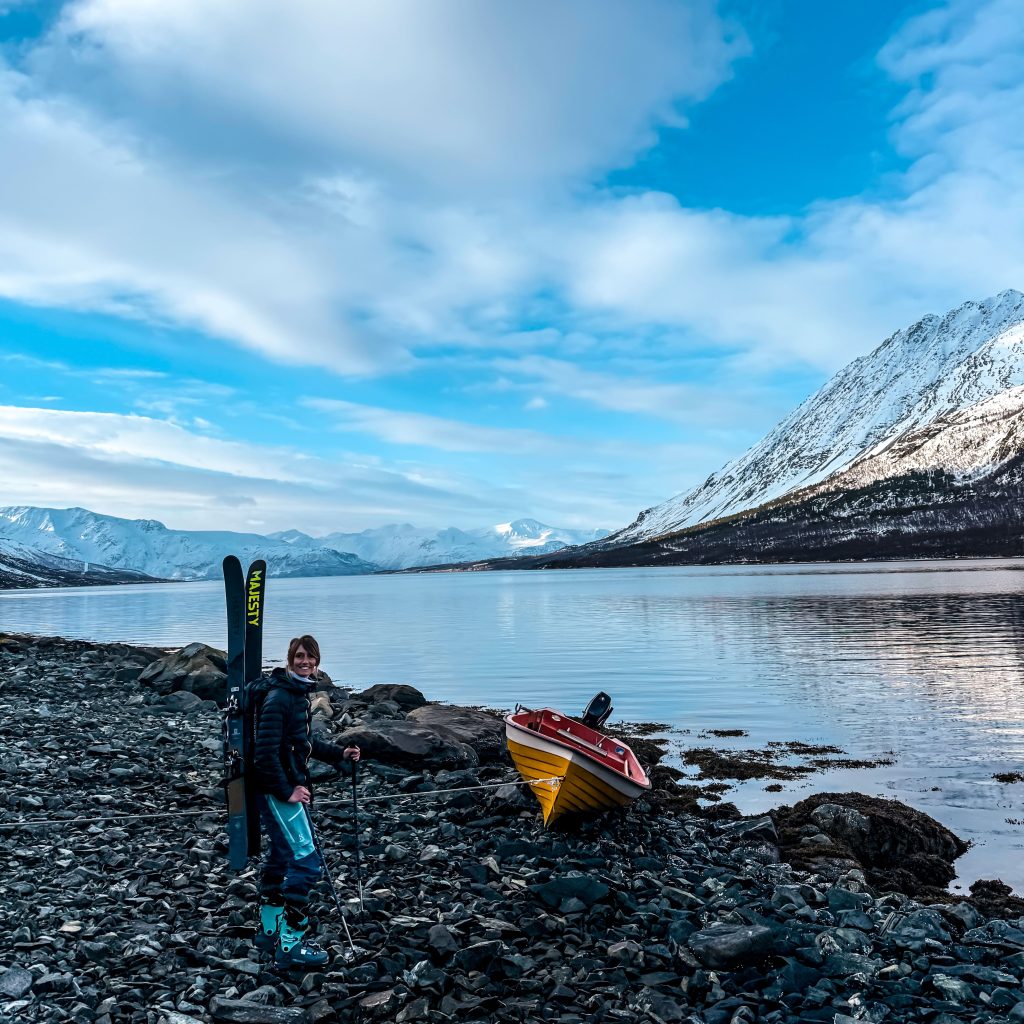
(402, 546)
(946, 394)
(23, 568)
(75, 540)
(147, 546)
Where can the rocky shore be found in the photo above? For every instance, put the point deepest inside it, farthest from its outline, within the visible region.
(832, 910)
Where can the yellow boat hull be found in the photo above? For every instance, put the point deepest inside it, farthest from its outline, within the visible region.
(580, 787)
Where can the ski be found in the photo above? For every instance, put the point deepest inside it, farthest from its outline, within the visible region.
(234, 716)
(255, 586)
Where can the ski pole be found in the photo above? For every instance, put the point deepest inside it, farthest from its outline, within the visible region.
(355, 831)
(318, 846)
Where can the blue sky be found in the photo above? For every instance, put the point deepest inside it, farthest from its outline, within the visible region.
(453, 263)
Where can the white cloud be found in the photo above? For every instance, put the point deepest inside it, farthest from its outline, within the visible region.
(373, 197)
(681, 403)
(144, 438)
(88, 221)
(422, 430)
(337, 187)
(134, 465)
(454, 92)
(138, 466)
(831, 283)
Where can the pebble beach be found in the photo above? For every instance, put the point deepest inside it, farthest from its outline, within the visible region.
(832, 910)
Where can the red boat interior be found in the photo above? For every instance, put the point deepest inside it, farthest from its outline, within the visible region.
(568, 731)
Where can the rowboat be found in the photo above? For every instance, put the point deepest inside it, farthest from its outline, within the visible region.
(575, 768)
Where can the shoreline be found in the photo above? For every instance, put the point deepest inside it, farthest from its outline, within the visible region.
(945, 562)
(472, 910)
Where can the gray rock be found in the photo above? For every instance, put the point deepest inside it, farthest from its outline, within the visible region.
(953, 989)
(840, 822)
(920, 925)
(481, 730)
(196, 668)
(511, 799)
(382, 710)
(752, 829)
(410, 744)
(966, 913)
(721, 945)
(785, 895)
(15, 982)
(380, 1004)
(424, 975)
(626, 951)
(478, 956)
(843, 899)
(408, 698)
(845, 965)
(418, 1009)
(586, 889)
(242, 1011)
(441, 942)
(981, 975)
(662, 1007)
(181, 700)
(1000, 933)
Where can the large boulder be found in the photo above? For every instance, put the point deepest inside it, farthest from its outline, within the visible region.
(199, 669)
(898, 848)
(409, 744)
(725, 945)
(406, 697)
(483, 731)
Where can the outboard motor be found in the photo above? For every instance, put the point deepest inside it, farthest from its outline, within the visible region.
(597, 712)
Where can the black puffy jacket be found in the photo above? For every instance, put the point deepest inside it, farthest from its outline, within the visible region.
(284, 740)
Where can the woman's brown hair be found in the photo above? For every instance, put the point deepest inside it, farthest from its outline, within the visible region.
(312, 648)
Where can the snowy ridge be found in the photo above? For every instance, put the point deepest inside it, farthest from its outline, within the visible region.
(966, 443)
(147, 546)
(944, 393)
(405, 546)
(23, 567)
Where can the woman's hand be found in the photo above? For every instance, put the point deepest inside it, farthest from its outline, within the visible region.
(300, 795)
(351, 753)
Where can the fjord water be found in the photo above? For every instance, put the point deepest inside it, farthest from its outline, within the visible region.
(921, 659)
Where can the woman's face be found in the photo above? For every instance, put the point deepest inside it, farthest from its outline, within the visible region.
(303, 663)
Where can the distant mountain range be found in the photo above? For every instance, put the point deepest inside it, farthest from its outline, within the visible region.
(405, 546)
(916, 449)
(58, 547)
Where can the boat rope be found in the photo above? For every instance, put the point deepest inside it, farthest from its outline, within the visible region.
(34, 822)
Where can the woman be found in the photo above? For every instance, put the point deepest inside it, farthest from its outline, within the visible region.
(283, 746)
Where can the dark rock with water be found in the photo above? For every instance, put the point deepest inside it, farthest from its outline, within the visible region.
(899, 849)
(473, 912)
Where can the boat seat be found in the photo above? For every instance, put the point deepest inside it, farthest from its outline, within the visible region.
(582, 742)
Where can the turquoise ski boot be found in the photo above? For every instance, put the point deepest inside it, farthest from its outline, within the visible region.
(294, 949)
(271, 915)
